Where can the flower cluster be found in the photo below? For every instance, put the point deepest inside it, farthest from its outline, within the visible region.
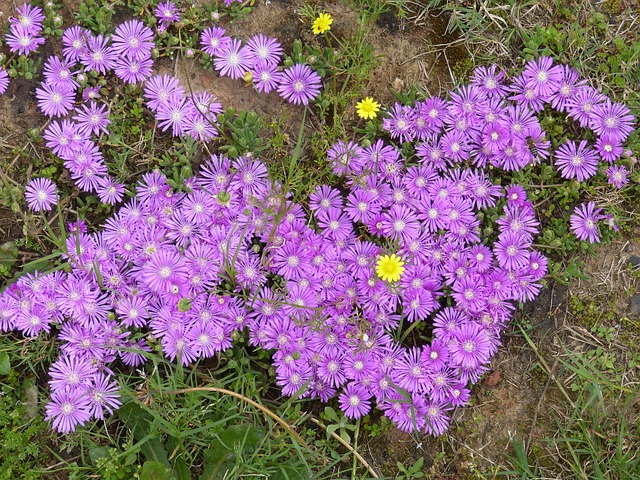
(75, 129)
(194, 116)
(259, 60)
(490, 122)
(324, 285)
(25, 29)
(192, 268)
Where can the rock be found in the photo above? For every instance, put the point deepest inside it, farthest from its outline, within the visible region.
(634, 305)
(493, 379)
(634, 261)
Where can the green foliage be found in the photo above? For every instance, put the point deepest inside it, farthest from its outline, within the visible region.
(408, 473)
(244, 133)
(24, 66)
(22, 432)
(95, 15)
(52, 25)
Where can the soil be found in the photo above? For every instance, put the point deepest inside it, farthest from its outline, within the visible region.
(509, 404)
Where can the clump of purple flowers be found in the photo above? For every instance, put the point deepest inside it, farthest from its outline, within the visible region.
(74, 132)
(259, 61)
(25, 29)
(230, 253)
(492, 123)
(160, 266)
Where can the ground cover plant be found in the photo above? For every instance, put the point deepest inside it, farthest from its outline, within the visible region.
(386, 281)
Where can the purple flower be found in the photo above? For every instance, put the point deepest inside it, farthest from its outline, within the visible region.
(29, 17)
(526, 95)
(58, 72)
(617, 175)
(401, 223)
(466, 102)
(22, 41)
(609, 148)
(516, 195)
(354, 401)
(511, 250)
(519, 219)
(164, 269)
(346, 158)
(576, 160)
(133, 40)
(162, 90)
(90, 93)
(233, 60)
(200, 127)
(437, 420)
(324, 199)
(299, 84)
(214, 41)
(4, 80)
(62, 137)
(266, 77)
(331, 370)
(335, 224)
(109, 191)
(133, 70)
(469, 294)
(68, 409)
(74, 40)
(41, 194)
(71, 372)
(580, 107)
(174, 115)
(98, 55)
(399, 122)
(471, 346)
(542, 76)
(489, 81)
(410, 373)
(167, 13)
(33, 319)
(103, 395)
(55, 100)
(92, 119)
(264, 50)
(570, 83)
(613, 119)
(584, 222)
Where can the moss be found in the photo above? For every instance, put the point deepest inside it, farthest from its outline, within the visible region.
(613, 7)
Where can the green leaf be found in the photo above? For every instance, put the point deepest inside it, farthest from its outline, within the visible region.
(139, 422)
(5, 364)
(8, 254)
(178, 463)
(97, 453)
(154, 471)
(220, 458)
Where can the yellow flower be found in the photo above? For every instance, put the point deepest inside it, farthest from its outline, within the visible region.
(368, 108)
(390, 268)
(322, 23)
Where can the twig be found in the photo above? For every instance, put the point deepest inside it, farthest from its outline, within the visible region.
(349, 447)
